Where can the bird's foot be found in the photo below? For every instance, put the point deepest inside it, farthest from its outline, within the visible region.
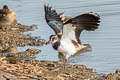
(65, 64)
(81, 47)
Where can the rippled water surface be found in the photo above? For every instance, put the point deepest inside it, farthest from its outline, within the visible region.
(105, 42)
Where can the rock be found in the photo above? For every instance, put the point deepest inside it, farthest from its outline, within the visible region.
(2, 78)
(12, 50)
(9, 39)
(7, 76)
(33, 51)
(59, 78)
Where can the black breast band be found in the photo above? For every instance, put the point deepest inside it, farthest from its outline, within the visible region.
(56, 45)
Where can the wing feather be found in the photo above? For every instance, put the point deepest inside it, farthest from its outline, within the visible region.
(89, 21)
(53, 19)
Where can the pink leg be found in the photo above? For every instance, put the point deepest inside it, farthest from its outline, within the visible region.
(65, 63)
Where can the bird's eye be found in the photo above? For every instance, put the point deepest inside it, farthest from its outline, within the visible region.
(53, 38)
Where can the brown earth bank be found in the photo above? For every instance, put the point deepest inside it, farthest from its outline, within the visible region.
(15, 65)
(13, 69)
(14, 37)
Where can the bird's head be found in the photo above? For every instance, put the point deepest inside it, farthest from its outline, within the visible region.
(53, 39)
(5, 9)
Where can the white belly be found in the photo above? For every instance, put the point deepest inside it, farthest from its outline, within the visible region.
(66, 45)
(67, 48)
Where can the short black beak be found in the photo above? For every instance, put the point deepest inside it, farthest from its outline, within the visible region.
(48, 42)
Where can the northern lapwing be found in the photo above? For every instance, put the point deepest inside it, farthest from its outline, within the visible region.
(67, 33)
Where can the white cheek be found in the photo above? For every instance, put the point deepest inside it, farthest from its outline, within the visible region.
(52, 42)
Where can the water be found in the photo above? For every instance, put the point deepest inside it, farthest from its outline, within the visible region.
(105, 41)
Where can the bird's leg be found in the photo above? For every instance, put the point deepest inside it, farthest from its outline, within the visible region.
(65, 63)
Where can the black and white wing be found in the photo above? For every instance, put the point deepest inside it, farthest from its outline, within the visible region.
(73, 27)
(53, 19)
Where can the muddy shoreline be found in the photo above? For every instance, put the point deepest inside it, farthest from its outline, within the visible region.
(15, 65)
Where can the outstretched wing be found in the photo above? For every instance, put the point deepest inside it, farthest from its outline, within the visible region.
(89, 21)
(53, 19)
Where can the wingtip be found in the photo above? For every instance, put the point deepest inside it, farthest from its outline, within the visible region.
(94, 14)
(47, 5)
